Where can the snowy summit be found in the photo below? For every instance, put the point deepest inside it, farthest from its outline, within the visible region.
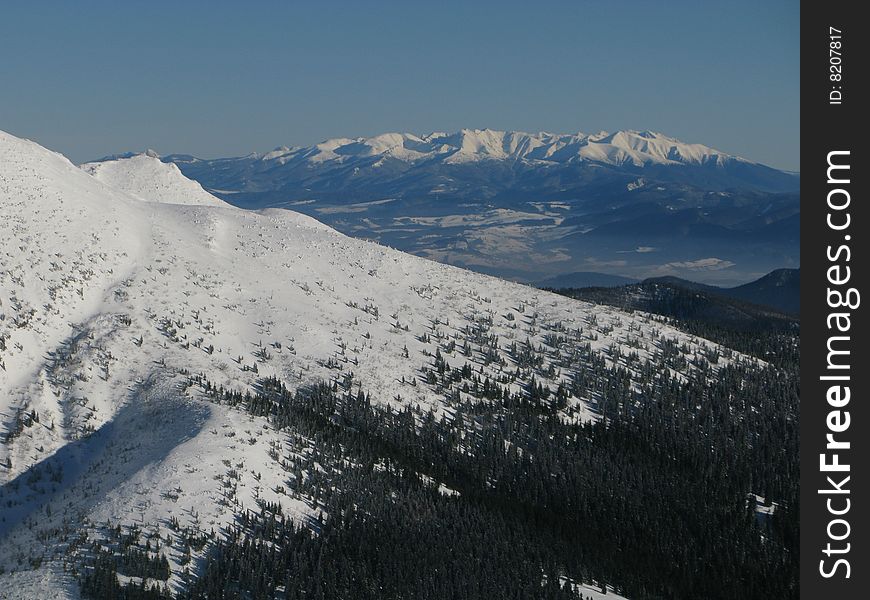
(148, 178)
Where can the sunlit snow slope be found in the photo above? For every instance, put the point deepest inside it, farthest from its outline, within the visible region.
(146, 177)
(116, 285)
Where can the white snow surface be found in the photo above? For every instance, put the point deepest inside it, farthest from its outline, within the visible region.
(147, 178)
(115, 277)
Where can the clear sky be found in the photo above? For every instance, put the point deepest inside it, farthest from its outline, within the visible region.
(227, 78)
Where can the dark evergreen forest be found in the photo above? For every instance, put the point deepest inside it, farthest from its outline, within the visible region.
(505, 498)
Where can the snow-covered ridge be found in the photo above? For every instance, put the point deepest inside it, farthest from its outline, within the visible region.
(110, 297)
(470, 145)
(148, 178)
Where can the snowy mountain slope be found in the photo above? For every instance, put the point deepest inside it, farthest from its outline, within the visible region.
(148, 178)
(110, 301)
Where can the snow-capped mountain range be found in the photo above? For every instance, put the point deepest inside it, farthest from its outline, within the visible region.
(123, 279)
(531, 206)
(637, 148)
(625, 149)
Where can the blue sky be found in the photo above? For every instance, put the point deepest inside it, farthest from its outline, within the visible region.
(227, 78)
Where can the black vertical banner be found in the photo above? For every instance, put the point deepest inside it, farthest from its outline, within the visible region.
(835, 375)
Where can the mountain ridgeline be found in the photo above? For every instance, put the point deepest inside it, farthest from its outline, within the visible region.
(776, 292)
(759, 318)
(528, 206)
